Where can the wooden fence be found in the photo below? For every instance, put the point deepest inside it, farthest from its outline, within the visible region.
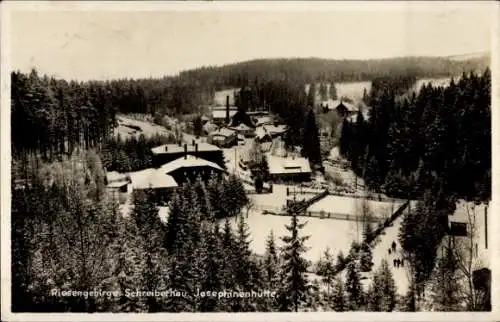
(320, 215)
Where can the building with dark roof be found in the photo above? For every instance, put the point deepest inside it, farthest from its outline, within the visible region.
(168, 152)
(284, 169)
(190, 167)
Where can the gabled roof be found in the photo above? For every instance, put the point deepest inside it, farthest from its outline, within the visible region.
(117, 184)
(221, 114)
(224, 131)
(115, 176)
(154, 179)
(263, 120)
(280, 165)
(334, 104)
(261, 132)
(188, 162)
(241, 127)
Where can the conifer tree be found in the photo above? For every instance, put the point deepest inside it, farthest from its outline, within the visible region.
(311, 95)
(338, 298)
(353, 287)
(333, 91)
(271, 263)
(445, 282)
(229, 260)
(328, 279)
(382, 293)
(294, 289)
(310, 139)
(345, 140)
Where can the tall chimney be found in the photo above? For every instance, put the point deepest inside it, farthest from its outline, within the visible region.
(196, 150)
(193, 142)
(227, 109)
(180, 143)
(185, 151)
(166, 147)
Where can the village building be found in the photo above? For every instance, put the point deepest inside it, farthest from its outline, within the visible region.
(168, 152)
(209, 127)
(469, 227)
(258, 113)
(342, 107)
(263, 120)
(263, 135)
(190, 168)
(223, 138)
(244, 129)
(220, 115)
(162, 184)
(286, 169)
(118, 182)
(275, 130)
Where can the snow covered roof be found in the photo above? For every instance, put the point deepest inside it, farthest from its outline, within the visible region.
(263, 120)
(114, 176)
(154, 179)
(280, 165)
(223, 132)
(175, 148)
(241, 127)
(117, 184)
(188, 161)
(272, 129)
(261, 132)
(334, 153)
(221, 114)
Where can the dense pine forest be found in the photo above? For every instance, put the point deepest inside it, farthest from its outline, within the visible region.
(68, 234)
(54, 116)
(440, 138)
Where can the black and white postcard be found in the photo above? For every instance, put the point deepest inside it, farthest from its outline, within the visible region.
(285, 160)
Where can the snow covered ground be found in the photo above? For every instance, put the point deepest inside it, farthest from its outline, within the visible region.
(353, 206)
(128, 126)
(352, 90)
(335, 234)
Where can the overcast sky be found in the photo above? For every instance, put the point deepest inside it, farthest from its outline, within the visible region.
(98, 45)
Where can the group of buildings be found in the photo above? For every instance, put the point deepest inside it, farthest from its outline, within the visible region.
(173, 165)
(229, 126)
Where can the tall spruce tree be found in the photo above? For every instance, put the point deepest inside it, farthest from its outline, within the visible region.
(294, 289)
(353, 287)
(338, 299)
(310, 139)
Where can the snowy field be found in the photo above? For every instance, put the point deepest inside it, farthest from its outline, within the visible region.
(353, 206)
(352, 90)
(335, 234)
(127, 126)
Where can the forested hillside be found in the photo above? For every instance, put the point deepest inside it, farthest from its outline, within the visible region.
(66, 113)
(440, 138)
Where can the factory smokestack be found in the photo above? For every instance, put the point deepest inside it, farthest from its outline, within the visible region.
(185, 151)
(227, 109)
